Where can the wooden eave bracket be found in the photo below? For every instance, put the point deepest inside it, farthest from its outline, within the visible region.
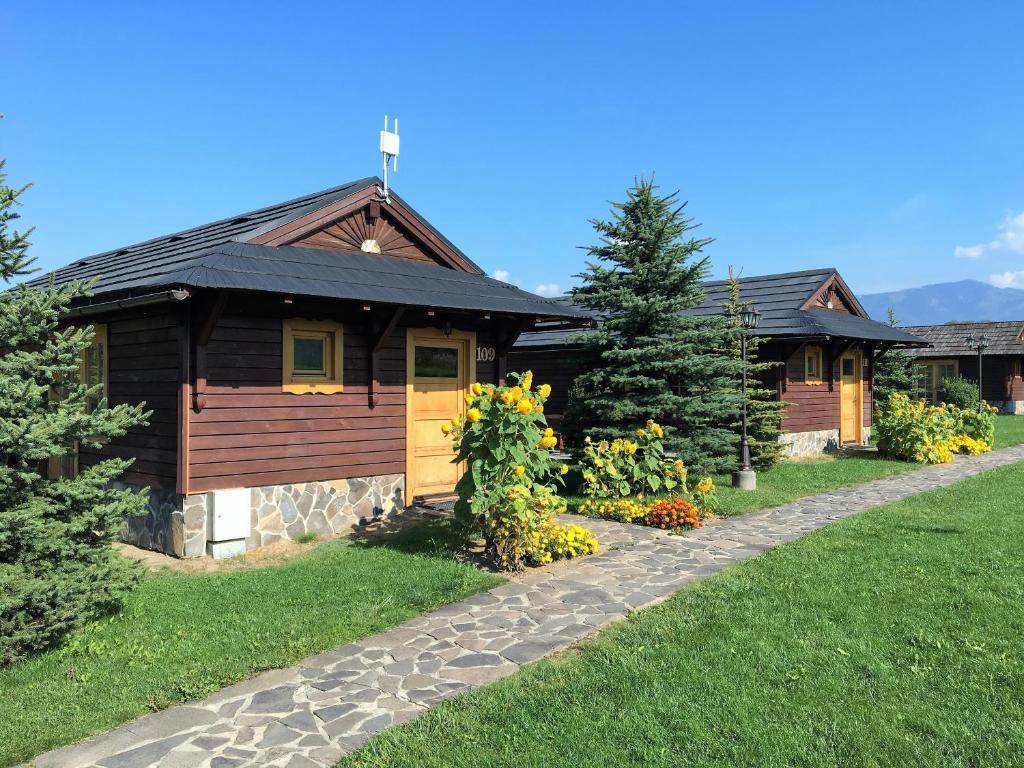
(378, 337)
(504, 343)
(205, 331)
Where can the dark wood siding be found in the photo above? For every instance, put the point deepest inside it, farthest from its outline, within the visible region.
(143, 366)
(997, 373)
(816, 407)
(250, 433)
(557, 367)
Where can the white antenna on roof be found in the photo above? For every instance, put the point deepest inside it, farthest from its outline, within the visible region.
(389, 151)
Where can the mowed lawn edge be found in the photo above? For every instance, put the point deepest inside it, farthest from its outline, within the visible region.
(888, 638)
(184, 636)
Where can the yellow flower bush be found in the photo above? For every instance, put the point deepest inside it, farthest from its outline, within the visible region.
(622, 510)
(912, 430)
(504, 492)
(626, 468)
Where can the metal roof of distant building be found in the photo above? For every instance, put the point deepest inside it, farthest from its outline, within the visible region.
(121, 268)
(779, 298)
(950, 340)
(335, 274)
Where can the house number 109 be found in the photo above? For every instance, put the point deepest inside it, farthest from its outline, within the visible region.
(485, 354)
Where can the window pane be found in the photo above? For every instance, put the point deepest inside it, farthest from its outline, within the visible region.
(309, 354)
(437, 362)
(847, 366)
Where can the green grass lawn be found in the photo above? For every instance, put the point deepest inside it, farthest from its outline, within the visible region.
(1009, 431)
(184, 636)
(891, 638)
(791, 480)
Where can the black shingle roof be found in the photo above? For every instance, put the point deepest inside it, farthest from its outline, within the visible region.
(348, 275)
(134, 265)
(1004, 338)
(779, 299)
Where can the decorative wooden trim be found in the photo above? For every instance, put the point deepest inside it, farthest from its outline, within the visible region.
(468, 339)
(288, 233)
(842, 288)
(331, 382)
(378, 339)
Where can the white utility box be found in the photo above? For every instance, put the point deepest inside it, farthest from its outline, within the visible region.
(228, 514)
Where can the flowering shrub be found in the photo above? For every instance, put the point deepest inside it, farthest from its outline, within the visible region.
(552, 541)
(979, 425)
(914, 431)
(672, 513)
(504, 493)
(621, 510)
(623, 467)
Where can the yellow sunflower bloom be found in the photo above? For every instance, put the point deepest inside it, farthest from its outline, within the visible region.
(544, 390)
(524, 406)
(473, 414)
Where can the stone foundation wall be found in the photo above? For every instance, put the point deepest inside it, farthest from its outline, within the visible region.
(1011, 407)
(177, 525)
(327, 507)
(809, 443)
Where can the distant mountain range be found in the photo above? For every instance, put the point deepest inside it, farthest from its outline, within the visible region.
(942, 302)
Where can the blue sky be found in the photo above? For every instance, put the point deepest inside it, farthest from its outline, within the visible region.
(873, 137)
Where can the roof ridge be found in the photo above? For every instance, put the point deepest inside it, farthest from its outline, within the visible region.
(358, 183)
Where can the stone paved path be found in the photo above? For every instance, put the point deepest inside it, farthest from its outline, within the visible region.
(328, 705)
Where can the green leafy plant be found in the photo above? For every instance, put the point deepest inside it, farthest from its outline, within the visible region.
(912, 430)
(622, 467)
(307, 538)
(507, 492)
(57, 568)
(961, 392)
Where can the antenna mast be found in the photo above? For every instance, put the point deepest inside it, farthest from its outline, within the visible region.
(389, 152)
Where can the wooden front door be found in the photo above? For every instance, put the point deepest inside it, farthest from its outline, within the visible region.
(439, 370)
(851, 398)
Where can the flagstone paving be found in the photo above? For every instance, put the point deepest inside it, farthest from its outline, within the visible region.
(327, 706)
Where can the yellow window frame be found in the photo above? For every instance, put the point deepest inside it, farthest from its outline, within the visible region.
(932, 384)
(327, 382)
(98, 350)
(813, 355)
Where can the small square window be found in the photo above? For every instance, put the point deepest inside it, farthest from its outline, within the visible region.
(848, 366)
(310, 354)
(812, 365)
(311, 358)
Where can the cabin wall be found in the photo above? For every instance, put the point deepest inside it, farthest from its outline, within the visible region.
(999, 385)
(558, 367)
(143, 366)
(811, 423)
(316, 463)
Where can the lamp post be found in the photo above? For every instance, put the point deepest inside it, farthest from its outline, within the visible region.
(979, 344)
(745, 477)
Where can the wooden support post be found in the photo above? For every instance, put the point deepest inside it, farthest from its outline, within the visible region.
(378, 337)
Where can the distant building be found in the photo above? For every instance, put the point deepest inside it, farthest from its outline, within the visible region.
(813, 324)
(951, 354)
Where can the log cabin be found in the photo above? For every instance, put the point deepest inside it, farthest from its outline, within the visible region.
(298, 361)
(811, 324)
(954, 352)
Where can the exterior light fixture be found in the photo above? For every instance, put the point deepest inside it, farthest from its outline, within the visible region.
(745, 477)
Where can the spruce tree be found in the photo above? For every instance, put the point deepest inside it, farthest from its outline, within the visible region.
(764, 410)
(649, 361)
(895, 373)
(57, 566)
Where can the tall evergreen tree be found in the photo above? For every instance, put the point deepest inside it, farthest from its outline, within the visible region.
(895, 373)
(57, 566)
(650, 361)
(764, 410)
